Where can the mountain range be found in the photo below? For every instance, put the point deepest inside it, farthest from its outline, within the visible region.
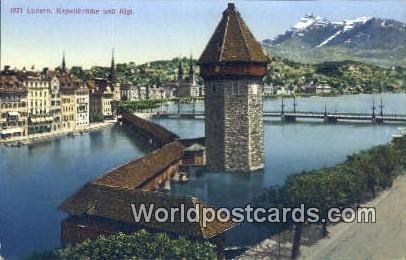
(314, 39)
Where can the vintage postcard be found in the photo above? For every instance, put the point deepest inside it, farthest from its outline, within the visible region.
(203, 129)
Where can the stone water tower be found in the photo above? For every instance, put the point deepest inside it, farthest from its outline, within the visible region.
(232, 66)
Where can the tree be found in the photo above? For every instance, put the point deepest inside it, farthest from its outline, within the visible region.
(139, 245)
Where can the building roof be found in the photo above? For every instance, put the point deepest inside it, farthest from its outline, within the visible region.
(195, 148)
(138, 172)
(232, 41)
(11, 85)
(157, 131)
(115, 203)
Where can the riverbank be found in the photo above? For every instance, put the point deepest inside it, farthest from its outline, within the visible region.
(384, 239)
(45, 136)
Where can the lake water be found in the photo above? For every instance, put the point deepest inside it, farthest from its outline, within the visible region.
(35, 179)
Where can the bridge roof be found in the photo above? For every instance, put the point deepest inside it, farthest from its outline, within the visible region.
(232, 41)
(136, 173)
(115, 203)
(159, 132)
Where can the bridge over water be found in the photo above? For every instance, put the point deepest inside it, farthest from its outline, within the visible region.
(293, 116)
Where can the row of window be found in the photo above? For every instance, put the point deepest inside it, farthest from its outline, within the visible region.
(37, 94)
(67, 109)
(68, 118)
(36, 84)
(11, 98)
(37, 103)
(38, 111)
(13, 105)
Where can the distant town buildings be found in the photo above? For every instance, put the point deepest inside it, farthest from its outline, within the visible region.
(323, 88)
(185, 86)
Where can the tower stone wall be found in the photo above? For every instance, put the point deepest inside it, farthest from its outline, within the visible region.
(234, 124)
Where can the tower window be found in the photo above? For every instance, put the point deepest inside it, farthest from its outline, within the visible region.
(235, 89)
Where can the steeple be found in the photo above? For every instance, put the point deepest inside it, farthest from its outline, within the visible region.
(191, 71)
(180, 71)
(63, 67)
(112, 67)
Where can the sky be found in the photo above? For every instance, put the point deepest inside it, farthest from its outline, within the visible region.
(156, 30)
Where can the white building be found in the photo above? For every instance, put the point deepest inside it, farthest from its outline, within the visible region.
(55, 99)
(323, 89)
(82, 106)
(129, 92)
(283, 90)
(268, 90)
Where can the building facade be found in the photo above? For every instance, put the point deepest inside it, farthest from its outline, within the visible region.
(129, 92)
(13, 109)
(68, 103)
(184, 86)
(102, 99)
(39, 104)
(82, 106)
(55, 99)
(232, 67)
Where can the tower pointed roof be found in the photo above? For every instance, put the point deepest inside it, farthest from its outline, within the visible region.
(180, 68)
(191, 65)
(112, 67)
(232, 41)
(63, 62)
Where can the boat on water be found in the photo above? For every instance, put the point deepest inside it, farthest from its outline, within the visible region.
(13, 144)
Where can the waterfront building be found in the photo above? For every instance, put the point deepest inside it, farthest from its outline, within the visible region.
(39, 103)
(323, 88)
(55, 99)
(82, 106)
(102, 98)
(268, 90)
(129, 92)
(68, 88)
(13, 108)
(143, 92)
(283, 90)
(232, 67)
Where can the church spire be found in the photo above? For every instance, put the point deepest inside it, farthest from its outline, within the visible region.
(191, 65)
(112, 67)
(180, 71)
(63, 62)
(191, 70)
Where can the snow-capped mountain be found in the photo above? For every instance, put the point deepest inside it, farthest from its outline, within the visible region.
(366, 31)
(316, 33)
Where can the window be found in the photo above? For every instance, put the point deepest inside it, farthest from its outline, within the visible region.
(235, 89)
(254, 90)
